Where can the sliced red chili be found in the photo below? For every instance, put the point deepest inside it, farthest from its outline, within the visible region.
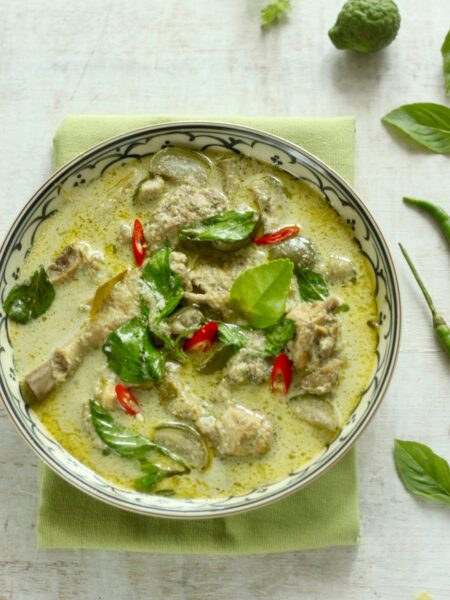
(203, 338)
(139, 244)
(281, 374)
(277, 236)
(127, 400)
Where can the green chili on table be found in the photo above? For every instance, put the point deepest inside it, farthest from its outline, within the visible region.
(441, 328)
(439, 214)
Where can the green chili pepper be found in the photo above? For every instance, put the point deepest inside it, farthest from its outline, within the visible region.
(441, 328)
(439, 214)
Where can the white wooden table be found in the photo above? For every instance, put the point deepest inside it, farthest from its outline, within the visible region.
(210, 56)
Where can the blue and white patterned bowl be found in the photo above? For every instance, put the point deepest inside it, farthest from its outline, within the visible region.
(200, 135)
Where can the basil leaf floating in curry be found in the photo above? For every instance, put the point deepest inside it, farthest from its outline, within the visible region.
(132, 355)
(165, 285)
(260, 293)
(231, 334)
(445, 51)
(226, 232)
(153, 476)
(169, 346)
(426, 123)
(422, 472)
(278, 335)
(123, 441)
(230, 339)
(184, 441)
(130, 444)
(30, 299)
(312, 285)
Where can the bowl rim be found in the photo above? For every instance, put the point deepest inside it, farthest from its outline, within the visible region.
(349, 442)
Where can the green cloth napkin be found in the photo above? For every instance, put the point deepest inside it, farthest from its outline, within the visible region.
(323, 514)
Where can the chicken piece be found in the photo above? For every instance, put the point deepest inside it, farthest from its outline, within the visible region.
(212, 280)
(270, 198)
(228, 167)
(125, 234)
(186, 205)
(321, 380)
(105, 392)
(339, 269)
(70, 260)
(121, 305)
(65, 265)
(150, 190)
(238, 432)
(317, 330)
(248, 365)
(316, 412)
(179, 264)
(178, 398)
(211, 286)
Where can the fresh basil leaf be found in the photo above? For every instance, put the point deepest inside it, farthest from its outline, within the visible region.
(129, 444)
(260, 293)
(170, 346)
(153, 475)
(312, 285)
(425, 122)
(131, 354)
(165, 285)
(422, 471)
(272, 12)
(278, 335)
(232, 335)
(342, 308)
(230, 230)
(30, 299)
(445, 50)
(123, 441)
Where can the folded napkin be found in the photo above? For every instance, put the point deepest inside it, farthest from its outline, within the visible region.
(323, 514)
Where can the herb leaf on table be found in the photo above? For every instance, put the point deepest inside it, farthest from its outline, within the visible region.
(426, 123)
(422, 472)
(272, 12)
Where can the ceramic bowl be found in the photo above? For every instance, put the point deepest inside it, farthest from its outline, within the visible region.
(200, 135)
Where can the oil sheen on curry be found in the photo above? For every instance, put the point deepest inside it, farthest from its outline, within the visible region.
(194, 324)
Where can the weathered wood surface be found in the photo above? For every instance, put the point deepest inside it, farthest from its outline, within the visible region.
(207, 56)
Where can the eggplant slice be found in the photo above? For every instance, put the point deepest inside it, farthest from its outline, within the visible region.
(316, 412)
(182, 166)
(184, 441)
